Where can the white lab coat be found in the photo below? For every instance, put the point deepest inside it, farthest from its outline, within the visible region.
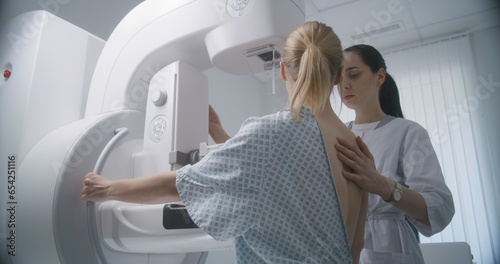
(403, 152)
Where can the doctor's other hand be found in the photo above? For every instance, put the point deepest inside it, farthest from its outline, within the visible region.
(361, 164)
(96, 188)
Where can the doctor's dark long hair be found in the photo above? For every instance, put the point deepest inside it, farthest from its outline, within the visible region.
(388, 94)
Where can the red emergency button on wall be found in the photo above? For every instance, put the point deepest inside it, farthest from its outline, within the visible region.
(6, 74)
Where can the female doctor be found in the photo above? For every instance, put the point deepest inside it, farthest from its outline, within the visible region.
(403, 176)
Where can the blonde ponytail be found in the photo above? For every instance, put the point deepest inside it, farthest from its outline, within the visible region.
(312, 57)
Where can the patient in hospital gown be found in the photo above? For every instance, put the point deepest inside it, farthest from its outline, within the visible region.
(271, 188)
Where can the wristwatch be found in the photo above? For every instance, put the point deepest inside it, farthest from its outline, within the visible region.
(397, 193)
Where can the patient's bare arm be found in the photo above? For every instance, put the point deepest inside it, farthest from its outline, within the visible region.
(215, 128)
(157, 188)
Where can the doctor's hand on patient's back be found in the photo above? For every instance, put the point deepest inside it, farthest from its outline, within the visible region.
(358, 158)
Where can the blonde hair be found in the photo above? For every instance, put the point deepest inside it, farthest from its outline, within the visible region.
(312, 57)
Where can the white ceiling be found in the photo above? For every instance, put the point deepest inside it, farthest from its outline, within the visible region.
(412, 20)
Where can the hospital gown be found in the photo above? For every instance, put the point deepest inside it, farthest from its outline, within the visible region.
(403, 152)
(271, 189)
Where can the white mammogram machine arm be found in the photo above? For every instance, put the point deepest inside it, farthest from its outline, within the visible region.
(149, 82)
(202, 33)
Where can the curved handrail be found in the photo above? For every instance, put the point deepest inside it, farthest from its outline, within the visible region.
(91, 214)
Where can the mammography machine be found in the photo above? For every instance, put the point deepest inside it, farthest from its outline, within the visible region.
(137, 103)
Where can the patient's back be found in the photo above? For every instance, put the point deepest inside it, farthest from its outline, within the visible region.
(352, 198)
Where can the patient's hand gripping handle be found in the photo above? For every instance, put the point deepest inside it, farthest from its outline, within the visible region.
(91, 215)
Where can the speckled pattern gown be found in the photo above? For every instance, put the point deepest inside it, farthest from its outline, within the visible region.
(270, 188)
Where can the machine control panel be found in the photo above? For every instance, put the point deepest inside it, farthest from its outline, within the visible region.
(157, 128)
(237, 8)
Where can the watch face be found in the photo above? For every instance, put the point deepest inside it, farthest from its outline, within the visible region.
(397, 196)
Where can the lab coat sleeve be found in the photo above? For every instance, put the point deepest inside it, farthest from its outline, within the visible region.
(222, 191)
(423, 174)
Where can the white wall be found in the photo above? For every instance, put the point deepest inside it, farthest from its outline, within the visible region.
(234, 98)
(99, 17)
